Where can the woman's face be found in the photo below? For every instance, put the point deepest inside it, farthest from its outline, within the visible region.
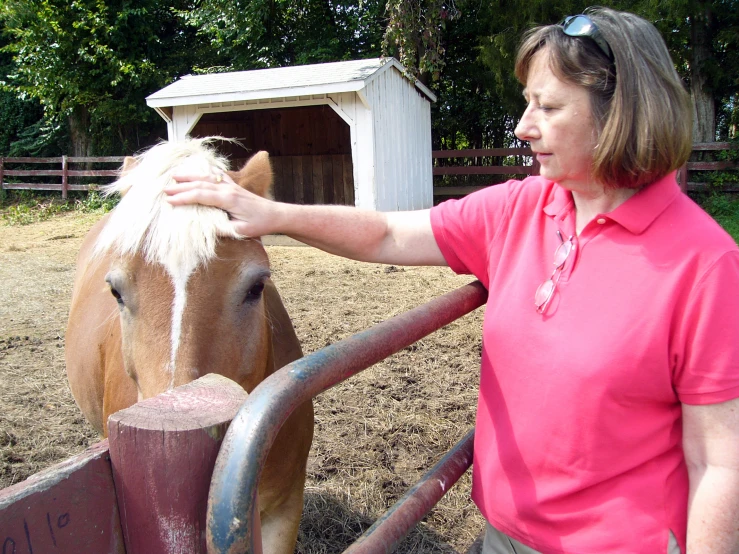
(559, 125)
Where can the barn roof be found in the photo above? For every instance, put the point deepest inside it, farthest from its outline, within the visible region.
(324, 78)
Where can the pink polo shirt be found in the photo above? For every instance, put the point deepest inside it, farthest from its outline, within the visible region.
(578, 438)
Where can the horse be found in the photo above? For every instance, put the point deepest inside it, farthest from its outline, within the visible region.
(163, 295)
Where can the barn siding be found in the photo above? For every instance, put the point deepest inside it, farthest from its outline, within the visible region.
(402, 143)
(363, 147)
(383, 126)
(309, 147)
(306, 131)
(314, 179)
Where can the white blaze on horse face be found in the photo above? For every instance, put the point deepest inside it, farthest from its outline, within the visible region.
(180, 277)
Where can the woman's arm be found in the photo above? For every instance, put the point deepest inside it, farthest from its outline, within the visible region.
(403, 238)
(711, 445)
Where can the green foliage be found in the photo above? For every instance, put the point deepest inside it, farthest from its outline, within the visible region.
(27, 208)
(94, 202)
(89, 64)
(414, 35)
(725, 210)
(43, 138)
(721, 205)
(16, 115)
(92, 62)
(24, 207)
(275, 33)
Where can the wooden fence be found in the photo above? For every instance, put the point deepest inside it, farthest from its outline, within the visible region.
(699, 151)
(509, 162)
(491, 161)
(64, 173)
(479, 162)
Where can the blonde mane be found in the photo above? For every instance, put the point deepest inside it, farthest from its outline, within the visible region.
(144, 222)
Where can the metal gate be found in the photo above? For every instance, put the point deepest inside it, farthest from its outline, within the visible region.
(233, 490)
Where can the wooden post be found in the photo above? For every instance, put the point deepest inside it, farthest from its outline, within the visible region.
(163, 450)
(2, 174)
(682, 178)
(65, 178)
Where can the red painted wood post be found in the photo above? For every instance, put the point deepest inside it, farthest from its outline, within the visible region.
(65, 178)
(163, 450)
(67, 509)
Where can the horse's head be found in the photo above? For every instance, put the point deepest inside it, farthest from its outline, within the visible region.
(189, 291)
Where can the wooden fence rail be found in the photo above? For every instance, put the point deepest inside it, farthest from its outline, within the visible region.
(683, 174)
(64, 172)
(473, 162)
(476, 162)
(461, 163)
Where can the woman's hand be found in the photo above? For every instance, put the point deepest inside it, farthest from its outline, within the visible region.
(252, 215)
(403, 238)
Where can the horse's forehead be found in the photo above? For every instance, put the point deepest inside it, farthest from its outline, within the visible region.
(233, 254)
(241, 251)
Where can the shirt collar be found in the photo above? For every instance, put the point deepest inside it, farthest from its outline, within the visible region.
(560, 202)
(639, 211)
(635, 214)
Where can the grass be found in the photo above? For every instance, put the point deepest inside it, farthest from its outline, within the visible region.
(26, 207)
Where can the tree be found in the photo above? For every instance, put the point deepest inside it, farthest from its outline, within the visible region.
(415, 35)
(480, 99)
(91, 63)
(277, 33)
(18, 115)
(703, 38)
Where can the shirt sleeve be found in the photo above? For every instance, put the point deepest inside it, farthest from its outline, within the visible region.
(464, 229)
(709, 369)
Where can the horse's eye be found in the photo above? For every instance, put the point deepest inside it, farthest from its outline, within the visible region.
(117, 296)
(255, 292)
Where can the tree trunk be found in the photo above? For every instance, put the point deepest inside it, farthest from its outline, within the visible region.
(79, 131)
(704, 106)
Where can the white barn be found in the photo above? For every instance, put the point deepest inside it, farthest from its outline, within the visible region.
(356, 132)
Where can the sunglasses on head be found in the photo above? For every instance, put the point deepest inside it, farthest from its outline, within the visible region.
(582, 26)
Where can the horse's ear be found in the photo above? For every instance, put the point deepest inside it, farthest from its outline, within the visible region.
(129, 162)
(256, 175)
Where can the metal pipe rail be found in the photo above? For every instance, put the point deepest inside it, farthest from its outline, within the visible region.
(387, 532)
(232, 502)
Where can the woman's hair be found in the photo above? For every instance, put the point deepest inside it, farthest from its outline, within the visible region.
(642, 112)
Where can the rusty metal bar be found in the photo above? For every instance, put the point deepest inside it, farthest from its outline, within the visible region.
(232, 503)
(387, 532)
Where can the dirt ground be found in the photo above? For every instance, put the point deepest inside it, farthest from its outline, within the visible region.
(375, 435)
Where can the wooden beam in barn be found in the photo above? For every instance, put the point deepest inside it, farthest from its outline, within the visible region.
(163, 450)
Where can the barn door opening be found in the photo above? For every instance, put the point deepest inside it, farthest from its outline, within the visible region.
(309, 146)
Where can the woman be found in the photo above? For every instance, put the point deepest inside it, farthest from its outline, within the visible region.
(608, 418)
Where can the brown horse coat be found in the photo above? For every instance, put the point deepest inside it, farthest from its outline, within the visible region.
(160, 299)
